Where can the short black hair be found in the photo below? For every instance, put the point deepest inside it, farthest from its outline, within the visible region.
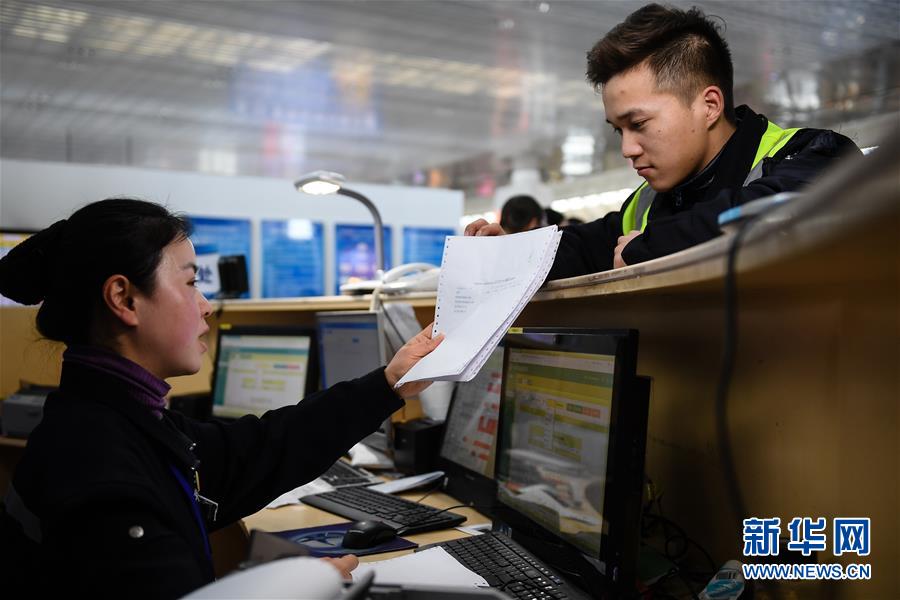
(66, 265)
(517, 213)
(683, 48)
(553, 217)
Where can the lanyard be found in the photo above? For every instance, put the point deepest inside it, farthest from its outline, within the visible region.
(195, 507)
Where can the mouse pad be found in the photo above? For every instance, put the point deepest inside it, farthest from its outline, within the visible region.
(326, 541)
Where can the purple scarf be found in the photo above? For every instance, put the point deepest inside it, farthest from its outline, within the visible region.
(148, 389)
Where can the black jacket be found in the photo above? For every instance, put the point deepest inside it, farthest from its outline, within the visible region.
(688, 214)
(100, 466)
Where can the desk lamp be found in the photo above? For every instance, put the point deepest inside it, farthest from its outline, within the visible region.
(321, 183)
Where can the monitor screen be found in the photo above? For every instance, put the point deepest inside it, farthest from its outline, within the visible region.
(571, 413)
(261, 368)
(350, 345)
(470, 437)
(470, 433)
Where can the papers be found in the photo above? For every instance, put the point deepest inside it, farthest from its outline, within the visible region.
(366, 456)
(407, 483)
(485, 283)
(478, 529)
(430, 567)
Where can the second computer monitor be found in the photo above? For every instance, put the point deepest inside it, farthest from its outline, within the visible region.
(351, 344)
(470, 436)
(260, 368)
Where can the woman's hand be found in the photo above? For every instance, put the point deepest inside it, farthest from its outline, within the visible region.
(344, 564)
(411, 353)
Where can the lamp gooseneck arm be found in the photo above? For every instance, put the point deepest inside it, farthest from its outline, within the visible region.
(379, 228)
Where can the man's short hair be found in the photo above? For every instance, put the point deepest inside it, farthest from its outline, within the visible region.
(517, 213)
(683, 49)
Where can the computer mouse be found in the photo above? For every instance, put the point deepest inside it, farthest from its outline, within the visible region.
(368, 534)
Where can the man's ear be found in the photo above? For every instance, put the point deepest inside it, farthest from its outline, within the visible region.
(118, 295)
(713, 104)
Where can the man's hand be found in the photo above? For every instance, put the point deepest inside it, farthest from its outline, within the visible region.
(412, 352)
(344, 564)
(482, 227)
(623, 240)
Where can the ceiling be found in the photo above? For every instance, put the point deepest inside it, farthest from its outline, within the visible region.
(447, 93)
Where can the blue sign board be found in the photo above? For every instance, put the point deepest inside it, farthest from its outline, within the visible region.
(354, 255)
(224, 237)
(424, 244)
(293, 258)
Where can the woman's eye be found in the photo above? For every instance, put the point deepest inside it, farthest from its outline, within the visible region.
(192, 283)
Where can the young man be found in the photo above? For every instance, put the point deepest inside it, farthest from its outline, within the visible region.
(665, 76)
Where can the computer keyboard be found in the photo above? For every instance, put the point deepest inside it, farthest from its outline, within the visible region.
(363, 504)
(341, 474)
(508, 566)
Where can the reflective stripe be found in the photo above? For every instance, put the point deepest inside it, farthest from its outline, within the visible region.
(639, 205)
(773, 140)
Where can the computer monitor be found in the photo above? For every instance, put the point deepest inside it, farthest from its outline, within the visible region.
(260, 368)
(351, 344)
(470, 436)
(570, 451)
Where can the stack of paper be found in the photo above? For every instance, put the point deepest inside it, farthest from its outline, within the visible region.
(485, 283)
(429, 567)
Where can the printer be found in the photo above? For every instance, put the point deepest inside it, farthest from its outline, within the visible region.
(22, 411)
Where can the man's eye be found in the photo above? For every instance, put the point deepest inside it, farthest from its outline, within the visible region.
(617, 131)
(638, 126)
(192, 283)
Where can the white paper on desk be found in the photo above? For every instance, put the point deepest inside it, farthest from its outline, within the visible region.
(365, 456)
(485, 283)
(429, 567)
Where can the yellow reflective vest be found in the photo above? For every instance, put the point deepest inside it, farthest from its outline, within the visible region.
(770, 143)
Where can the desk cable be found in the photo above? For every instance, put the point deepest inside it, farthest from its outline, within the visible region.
(729, 352)
(677, 545)
(726, 371)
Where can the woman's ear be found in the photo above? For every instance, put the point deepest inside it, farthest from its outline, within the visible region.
(118, 295)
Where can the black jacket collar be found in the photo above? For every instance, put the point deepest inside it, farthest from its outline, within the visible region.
(85, 385)
(733, 161)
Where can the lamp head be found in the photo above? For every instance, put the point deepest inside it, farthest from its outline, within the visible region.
(320, 183)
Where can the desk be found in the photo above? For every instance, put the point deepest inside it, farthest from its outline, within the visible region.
(299, 516)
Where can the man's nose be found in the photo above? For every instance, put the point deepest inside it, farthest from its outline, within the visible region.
(630, 146)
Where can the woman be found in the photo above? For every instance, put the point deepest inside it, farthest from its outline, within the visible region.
(118, 492)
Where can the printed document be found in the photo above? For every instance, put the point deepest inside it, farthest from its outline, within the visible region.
(428, 567)
(485, 283)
